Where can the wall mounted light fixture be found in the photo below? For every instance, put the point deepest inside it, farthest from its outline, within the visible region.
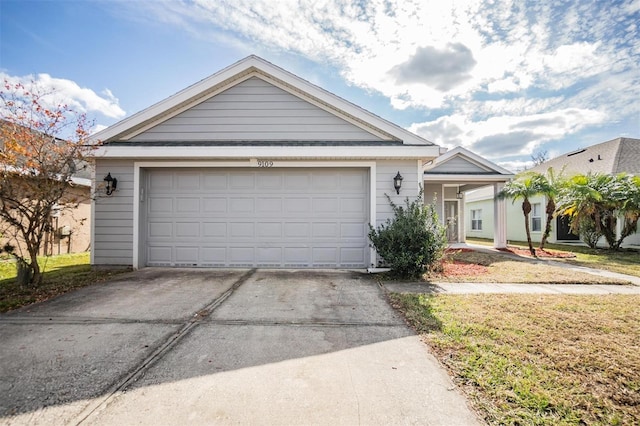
(459, 194)
(111, 184)
(397, 182)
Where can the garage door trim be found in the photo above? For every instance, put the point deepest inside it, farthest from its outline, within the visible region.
(138, 193)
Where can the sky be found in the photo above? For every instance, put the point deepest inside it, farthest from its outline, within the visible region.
(504, 79)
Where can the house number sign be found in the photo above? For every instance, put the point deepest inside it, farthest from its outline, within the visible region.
(265, 163)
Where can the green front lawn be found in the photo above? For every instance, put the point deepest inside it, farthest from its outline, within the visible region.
(62, 273)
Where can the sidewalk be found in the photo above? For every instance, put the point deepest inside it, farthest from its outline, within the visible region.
(491, 288)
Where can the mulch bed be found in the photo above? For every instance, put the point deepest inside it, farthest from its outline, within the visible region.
(547, 254)
(462, 269)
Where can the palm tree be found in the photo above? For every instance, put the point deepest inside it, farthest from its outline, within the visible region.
(548, 185)
(524, 186)
(597, 199)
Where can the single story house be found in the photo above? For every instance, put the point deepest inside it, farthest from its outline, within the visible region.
(612, 157)
(256, 167)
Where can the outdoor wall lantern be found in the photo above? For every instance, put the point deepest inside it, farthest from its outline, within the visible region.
(459, 194)
(111, 184)
(397, 182)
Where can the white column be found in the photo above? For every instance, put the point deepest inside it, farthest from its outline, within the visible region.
(499, 218)
(462, 220)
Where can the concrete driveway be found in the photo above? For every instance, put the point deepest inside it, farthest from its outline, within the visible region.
(162, 346)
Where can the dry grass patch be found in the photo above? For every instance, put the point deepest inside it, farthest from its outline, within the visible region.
(532, 359)
(498, 268)
(624, 261)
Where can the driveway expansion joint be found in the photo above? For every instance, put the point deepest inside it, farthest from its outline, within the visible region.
(159, 351)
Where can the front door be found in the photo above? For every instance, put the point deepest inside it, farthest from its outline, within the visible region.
(451, 220)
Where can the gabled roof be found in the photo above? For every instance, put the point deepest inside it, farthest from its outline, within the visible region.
(612, 157)
(253, 66)
(463, 162)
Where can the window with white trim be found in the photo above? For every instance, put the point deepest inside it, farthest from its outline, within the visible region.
(536, 217)
(476, 220)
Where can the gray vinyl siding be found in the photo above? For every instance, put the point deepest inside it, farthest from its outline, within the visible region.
(459, 166)
(386, 171)
(258, 111)
(113, 215)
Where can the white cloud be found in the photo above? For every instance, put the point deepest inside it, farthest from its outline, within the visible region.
(98, 128)
(504, 76)
(507, 135)
(62, 91)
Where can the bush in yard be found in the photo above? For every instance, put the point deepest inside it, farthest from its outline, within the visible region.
(413, 242)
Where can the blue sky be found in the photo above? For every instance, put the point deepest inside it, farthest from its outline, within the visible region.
(502, 78)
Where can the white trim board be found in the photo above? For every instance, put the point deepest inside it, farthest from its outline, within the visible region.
(267, 151)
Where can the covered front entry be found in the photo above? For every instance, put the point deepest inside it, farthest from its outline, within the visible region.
(256, 217)
(447, 180)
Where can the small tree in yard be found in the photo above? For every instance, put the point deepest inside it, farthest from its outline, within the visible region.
(595, 201)
(41, 145)
(413, 241)
(523, 187)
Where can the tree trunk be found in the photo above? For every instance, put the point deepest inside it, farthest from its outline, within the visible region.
(550, 210)
(36, 275)
(526, 209)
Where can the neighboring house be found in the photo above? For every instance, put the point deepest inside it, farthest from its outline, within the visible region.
(70, 228)
(256, 167)
(612, 157)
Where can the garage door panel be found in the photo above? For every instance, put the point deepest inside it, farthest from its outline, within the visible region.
(297, 230)
(187, 255)
(353, 182)
(188, 181)
(272, 182)
(241, 230)
(214, 205)
(297, 206)
(325, 256)
(269, 206)
(325, 183)
(161, 181)
(269, 230)
(159, 206)
(241, 180)
(353, 230)
(290, 218)
(297, 181)
(296, 255)
(188, 205)
(242, 206)
(353, 206)
(187, 229)
(215, 180)
(352, 255)
(268, 256)
(241, 256)
(214, 229)
(214, 256)
(325, 230)
(160, 229)
(160, 256)
(325, 205)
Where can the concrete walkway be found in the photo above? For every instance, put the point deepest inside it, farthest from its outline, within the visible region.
(494, 288)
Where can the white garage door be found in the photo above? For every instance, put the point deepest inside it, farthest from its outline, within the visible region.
(281, 218)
